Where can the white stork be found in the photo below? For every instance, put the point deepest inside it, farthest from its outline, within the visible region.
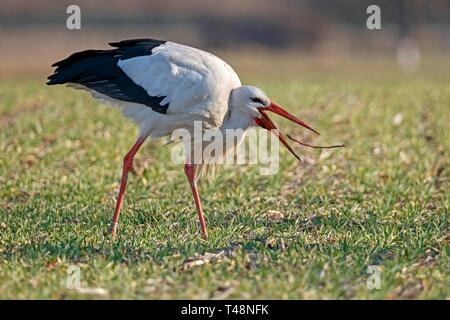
(165, 86)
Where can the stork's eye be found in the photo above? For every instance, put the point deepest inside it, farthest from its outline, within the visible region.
(257, 100)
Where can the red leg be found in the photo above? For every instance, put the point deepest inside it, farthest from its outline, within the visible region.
(127, 164)
(189, 169)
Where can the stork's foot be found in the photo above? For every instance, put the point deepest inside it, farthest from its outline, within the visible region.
(205, 235)
(113, 229)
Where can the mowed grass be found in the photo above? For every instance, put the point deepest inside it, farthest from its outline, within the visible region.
(383, 201)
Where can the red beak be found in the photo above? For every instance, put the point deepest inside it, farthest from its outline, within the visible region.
(266, 123)
(279, 110)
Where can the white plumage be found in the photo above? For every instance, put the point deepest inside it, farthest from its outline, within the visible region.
(195, 83)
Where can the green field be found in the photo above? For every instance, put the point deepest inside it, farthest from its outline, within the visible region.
(381, 201)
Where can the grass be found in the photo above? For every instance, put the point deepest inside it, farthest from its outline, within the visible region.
(381, 201)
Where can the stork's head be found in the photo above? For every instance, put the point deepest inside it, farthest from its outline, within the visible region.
(254, 103)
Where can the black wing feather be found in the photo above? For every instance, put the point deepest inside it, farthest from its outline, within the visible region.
(98, 70)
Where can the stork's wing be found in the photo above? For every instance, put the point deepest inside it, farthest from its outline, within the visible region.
(160, 76)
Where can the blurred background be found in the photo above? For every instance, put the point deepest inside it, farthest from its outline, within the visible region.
(313, 35)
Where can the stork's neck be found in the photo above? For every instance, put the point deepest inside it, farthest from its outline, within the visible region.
(236, 120)
(234, 126)
(238, 116)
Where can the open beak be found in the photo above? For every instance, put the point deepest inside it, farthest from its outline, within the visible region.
(267, 124)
